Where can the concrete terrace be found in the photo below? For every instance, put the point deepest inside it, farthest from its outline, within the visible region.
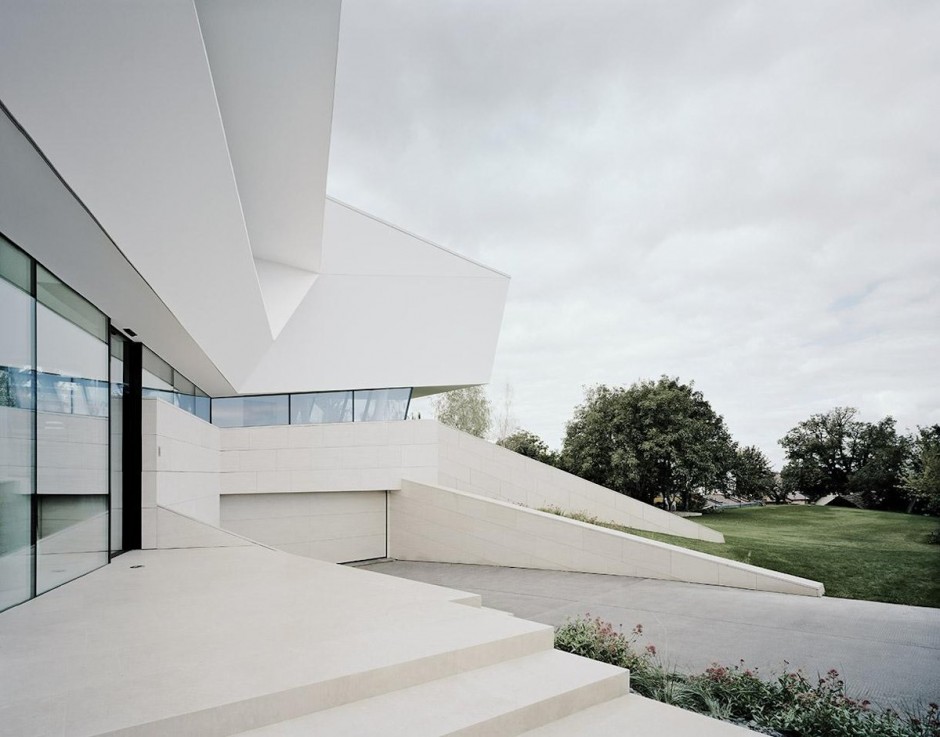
(225, 641)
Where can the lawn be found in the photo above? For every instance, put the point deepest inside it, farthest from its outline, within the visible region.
(855, 553)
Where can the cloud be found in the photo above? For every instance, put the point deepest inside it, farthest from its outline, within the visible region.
(744, 194)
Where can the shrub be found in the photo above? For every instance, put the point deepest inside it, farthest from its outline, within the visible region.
(580, 516)
(789, 704)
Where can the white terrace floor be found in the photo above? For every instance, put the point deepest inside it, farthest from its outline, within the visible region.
(229, 641)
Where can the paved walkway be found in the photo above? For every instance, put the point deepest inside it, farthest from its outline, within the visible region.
(887, 653)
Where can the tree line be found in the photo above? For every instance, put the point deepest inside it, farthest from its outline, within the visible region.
(661, 441)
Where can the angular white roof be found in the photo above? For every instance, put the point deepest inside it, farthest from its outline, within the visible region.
(197, 136)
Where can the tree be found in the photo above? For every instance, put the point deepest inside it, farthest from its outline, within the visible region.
(466, 409)
(880, 456)
(752, 475)
(922, 479)
(835, 453)
(529, 445)
(656, 437)
(817, 453)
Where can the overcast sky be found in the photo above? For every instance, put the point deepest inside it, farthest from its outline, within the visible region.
(743, 194)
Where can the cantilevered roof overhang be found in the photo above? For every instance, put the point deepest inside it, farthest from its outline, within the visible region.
(196, 138)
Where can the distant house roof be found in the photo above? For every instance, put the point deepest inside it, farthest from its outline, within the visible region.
(842, 500)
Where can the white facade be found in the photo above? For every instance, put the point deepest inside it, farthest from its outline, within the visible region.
(203, 156)
(163, 171)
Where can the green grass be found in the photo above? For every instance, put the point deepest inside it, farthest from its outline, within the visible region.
(855, 553)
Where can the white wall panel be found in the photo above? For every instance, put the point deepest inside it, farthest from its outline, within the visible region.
(337, 527)
(180, 462)
(429, 523)
(468, 463)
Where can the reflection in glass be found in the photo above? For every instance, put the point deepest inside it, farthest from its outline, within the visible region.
(16, 428)
(307, 409)
(371, 405)
(157, 374)
(73, 537)
(67, 303)
(376, 405)
(71, 395)
(202, 407)
(162, 381)
(73, 435)
(117, 442)
(15, 266)
(250, 411)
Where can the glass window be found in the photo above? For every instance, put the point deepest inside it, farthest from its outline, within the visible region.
(376, 405)
(157, 374)
(54, 430)
(117, 442)
(202, 407)
(162, 381)
(15, 266)
(73, 435)
(69, 304)
(16, 429)
(73, 537)
(306, 409)
(182, 384)
(72, 367)
(250, 411)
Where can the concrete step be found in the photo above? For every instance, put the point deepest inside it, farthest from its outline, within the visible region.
(635, 716)
(495, 701)
(361, 666)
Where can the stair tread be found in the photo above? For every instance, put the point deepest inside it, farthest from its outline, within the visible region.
(440, 640)
(471, 699)
(635, 716)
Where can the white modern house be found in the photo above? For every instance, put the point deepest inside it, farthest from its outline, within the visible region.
(205, 371)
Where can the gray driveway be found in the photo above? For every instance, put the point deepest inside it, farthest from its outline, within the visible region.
(887, 653)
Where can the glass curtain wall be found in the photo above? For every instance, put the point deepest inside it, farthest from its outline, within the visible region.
(312, 408)
(162, 381)
(72, 434)
(378, 405)
(118, 388)
(54, 431)
(17, 429)
(250, 411)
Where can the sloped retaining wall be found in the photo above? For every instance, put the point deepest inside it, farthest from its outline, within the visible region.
(432, 523)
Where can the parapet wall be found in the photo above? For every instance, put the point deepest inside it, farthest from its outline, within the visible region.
(468, 463)
(180, 464)
(415, 490)
(431, 523)
(376, 456)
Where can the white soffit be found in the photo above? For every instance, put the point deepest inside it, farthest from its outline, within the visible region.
(388, 309)
(355, 242)
(284, 288)
(273, 68)
(120, 99)
(39, 214)
(360, 332)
